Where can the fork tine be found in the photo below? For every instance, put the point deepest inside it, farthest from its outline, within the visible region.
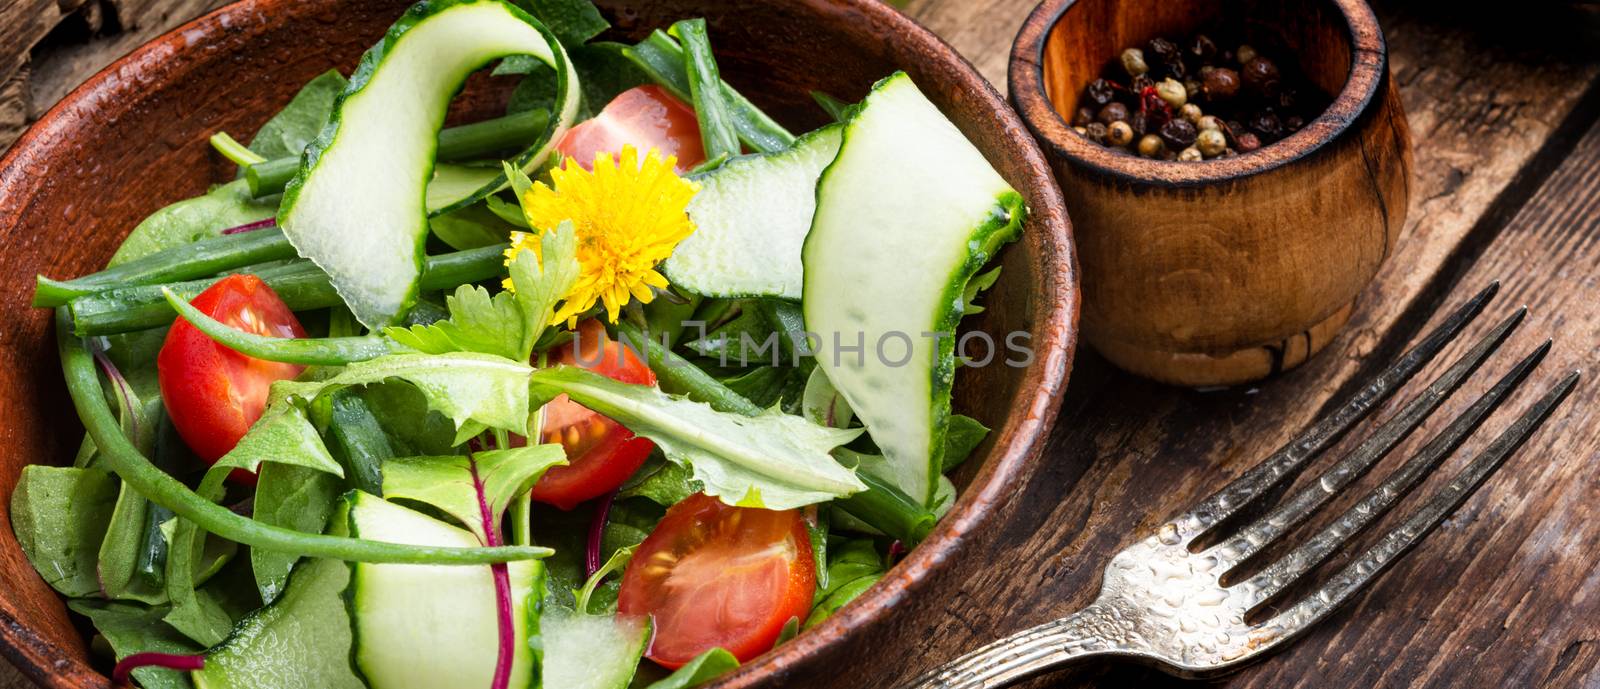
(1287, 460)
(1283, 573)
(1286, 515)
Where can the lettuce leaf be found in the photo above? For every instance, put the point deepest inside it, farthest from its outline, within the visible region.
(450, 483)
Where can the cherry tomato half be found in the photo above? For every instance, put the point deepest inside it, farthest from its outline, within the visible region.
(711, 575)
(645, 116)
(213, 394)
(601, 454)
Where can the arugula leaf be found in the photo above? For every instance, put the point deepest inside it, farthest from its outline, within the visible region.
(451, 482)
(288, 132)
(473, 390)
(296, 497)
(131, 628)
(59, 515)
(773, 460)
(704, 668)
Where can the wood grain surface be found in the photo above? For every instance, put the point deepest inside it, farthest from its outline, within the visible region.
(1507, 592)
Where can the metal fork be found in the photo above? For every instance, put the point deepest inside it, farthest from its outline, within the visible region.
(1167, 602)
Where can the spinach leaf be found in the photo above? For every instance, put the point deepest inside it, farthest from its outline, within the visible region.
(773, 460)
(603, 73)
(455, 483)
(292, 496)
(127, 536)
(470, 228)
(963, 436)
(131, 628)
(59, 515)
(852, 568)
(406, 421)
(704, 668)
(191, 220)
(574, 22)
(288, 132)
(667, 485)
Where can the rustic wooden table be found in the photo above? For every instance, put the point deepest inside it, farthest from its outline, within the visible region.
(1505, 111)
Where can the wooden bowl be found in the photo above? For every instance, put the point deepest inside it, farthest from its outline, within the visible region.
(1231, 269)
(133, 139)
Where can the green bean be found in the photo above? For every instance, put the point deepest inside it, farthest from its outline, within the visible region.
(883, 506)
(83, 383)
(663, 59)
(187, 262)
(717, 132)
(301, 285)
(309, 351)
(466, 142)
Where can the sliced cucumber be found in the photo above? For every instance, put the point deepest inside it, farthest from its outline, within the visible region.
(906, 215)
(431, 626)
(751, 218)
(359, 206)
(591, 651)
(300, 640)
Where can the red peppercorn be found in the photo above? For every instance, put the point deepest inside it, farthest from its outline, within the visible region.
(1247, 142)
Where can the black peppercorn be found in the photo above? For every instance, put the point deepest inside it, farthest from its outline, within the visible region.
(1260, 76)
(1165, 55)
(1140, 121)
(1084, 116)
(1202, 48)
(1178, 134)
(1096, 132)
(1113, 112)
(1267, 124)
(1293, 123)
(1220, 84)
(1099, 92)
(1141, 82)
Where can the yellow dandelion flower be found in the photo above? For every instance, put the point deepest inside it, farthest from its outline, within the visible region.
(628, 215)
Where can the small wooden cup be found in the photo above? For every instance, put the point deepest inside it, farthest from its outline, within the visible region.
(1231, 269)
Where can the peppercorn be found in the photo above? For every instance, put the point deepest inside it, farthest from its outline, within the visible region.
(1202, 48)
(1266, 124)
(1293, 123)
(1191, 88)
(1113, 112)
(1220, 84)
(1210, 142)
(1172, 92)
(1096, 132)
(1178, 134)
(1162, 51)
(1119, 133)
(1191, 112)
(1140, 121)
(1085, 116)
(1099, 92)
(1082, 131)
(1247, 142)
(1150, 146)
(1209, 122)
(1245, 53)
(1133, 62)
(1261, 77)
(1190, 155)
(1141, 82)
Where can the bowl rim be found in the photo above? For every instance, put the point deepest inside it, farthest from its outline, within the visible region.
(1021, 438)
(1025, 79)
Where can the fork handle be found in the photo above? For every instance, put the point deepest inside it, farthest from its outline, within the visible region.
(1089, 632)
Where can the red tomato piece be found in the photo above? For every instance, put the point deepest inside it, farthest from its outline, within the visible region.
(647, 117)
(601, 454)
(213, 394)
(711, 575)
